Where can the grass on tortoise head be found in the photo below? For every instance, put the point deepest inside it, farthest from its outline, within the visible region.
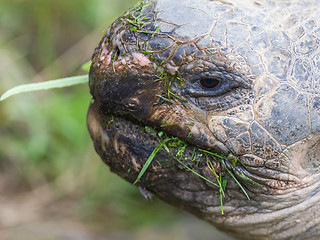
(180, 147)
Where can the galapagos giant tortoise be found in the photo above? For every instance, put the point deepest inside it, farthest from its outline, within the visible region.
(223, 97)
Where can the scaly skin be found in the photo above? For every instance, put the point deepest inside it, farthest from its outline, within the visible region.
(245, 78)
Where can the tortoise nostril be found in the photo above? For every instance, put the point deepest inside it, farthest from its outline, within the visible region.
(132, 104)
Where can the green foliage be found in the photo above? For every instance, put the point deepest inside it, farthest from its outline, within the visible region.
(151, 157)
(179, 147)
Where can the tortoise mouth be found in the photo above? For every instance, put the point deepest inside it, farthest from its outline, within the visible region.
(126, 145)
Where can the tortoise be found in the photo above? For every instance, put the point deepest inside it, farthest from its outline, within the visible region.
(214, 106)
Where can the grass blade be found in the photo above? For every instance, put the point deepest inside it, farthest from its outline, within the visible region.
(211, 153)
(217, 177)
(58, 83)
(234, 178)
(194, 172)
(151, 157)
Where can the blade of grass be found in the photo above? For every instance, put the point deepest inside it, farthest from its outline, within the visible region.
(217, 177)
(211, 153)
(176, 96)
(151, 157)
(165, 99)
(221, 193)
(234, 178)
(58, 83)
(194, 172)
(221, 190)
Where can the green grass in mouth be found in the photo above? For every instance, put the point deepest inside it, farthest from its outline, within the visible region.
(180, 146)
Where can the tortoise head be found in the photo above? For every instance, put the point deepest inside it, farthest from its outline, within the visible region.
(224, 102)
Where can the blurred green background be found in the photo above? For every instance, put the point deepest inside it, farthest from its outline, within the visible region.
(52, 183)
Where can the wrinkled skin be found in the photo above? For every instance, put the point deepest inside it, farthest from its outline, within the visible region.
(246, 82)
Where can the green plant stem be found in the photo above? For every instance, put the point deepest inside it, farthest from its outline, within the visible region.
(234, 178)
(151, 157)
(194, 172)
(58, 83)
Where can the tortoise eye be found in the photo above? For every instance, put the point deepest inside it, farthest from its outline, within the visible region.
(209, 82)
